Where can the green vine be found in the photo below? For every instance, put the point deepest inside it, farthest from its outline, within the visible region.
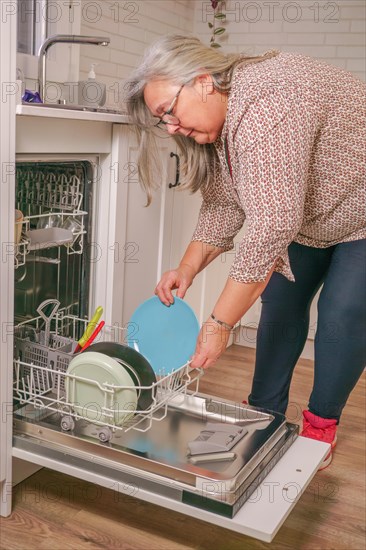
(218, 17)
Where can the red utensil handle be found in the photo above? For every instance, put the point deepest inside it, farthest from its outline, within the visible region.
(94, 335)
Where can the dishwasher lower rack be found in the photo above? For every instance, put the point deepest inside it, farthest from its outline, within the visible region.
(40, 379)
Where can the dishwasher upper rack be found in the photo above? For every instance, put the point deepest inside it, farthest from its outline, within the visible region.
(51, 188)
(44, 191)
(40, 378)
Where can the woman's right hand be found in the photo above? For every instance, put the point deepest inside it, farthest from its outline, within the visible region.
(180, 279)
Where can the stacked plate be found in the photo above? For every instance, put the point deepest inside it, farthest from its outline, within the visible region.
(89, 384)
(109, 383)
(135, 365)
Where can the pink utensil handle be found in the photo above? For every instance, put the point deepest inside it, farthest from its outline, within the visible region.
(94, 335)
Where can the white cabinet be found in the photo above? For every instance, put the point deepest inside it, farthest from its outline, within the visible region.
(185, 214)
(7, 191)
(144, 235)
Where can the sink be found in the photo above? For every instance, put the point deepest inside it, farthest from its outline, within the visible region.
(76, 107)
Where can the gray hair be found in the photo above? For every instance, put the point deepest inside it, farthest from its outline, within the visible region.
(179, 59)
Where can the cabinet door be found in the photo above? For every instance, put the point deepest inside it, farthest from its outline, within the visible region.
(184, 214)
(143, 234)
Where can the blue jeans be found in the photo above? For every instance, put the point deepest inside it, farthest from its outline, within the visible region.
(340, 340)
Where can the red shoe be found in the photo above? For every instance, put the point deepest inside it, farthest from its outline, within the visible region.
(322, 429)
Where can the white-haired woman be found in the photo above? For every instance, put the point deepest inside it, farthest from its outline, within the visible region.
(279, 141)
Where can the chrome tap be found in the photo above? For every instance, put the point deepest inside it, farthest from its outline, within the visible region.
(57, 39)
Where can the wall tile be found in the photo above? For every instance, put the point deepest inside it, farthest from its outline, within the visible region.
(333, 31)
(330, 30)
(305, 38)
(351, 52)
(358, 26)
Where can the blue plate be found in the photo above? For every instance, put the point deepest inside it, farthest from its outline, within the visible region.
(165, 336)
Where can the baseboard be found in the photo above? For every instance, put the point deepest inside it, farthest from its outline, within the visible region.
(23, 469)
(247, 336)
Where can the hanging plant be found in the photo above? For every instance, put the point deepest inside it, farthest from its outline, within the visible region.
(218, 19)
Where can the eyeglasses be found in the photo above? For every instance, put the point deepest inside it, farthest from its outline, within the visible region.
(168, 117)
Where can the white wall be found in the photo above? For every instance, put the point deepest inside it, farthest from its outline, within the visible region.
(131, 27)
(333, 31)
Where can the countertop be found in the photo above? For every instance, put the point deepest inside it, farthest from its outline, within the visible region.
(73, 114)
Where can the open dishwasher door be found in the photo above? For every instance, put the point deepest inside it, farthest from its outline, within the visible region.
(249, 487)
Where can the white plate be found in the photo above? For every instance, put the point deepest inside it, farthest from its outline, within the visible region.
(87, 393)
(49, 237)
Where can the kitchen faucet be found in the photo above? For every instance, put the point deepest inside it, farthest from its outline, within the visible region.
(57, 39)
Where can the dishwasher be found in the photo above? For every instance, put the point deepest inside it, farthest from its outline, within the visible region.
(208, 452)
(191, 452)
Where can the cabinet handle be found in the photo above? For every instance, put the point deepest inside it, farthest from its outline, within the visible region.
(177, 182)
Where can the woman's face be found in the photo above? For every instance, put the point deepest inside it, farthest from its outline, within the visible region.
(200, 109)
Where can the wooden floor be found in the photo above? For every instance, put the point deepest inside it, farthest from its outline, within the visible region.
(54, 511)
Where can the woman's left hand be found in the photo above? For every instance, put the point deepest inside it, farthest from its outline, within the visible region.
(211, 343)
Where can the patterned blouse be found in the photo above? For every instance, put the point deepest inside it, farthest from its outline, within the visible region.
(292, 163)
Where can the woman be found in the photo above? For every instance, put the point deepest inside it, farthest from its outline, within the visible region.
(277, 141)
